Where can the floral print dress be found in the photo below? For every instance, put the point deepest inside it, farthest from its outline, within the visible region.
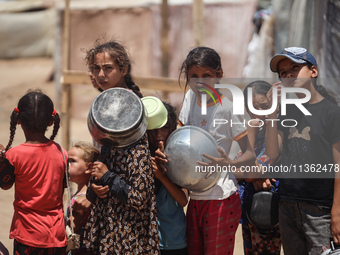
(115, 227)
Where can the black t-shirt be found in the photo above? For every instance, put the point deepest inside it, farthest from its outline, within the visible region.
(307, 149)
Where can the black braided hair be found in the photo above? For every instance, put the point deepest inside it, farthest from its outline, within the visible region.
(12, 128)
(56, 126)
(119, 55)
(35, 114)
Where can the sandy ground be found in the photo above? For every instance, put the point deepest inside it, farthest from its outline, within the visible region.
(17, 76)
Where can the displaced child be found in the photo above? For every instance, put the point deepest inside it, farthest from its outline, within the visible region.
(39, 168)
(309, 212)
(213, 215)
(81, 157)
(125, 221)
(170, 198)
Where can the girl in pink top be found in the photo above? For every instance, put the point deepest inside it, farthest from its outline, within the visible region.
(39, 168)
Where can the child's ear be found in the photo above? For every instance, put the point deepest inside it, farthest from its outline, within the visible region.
(89, 165)
(124, 70)
(220, 73)
(314, 72)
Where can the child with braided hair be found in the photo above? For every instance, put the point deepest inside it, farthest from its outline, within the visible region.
(125, 221)
(110, 66)
(38, 170)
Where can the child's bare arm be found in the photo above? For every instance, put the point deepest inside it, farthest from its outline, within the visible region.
(177, 193)
(80, 207)
(274, 137)
(159, 171)
(335, 213)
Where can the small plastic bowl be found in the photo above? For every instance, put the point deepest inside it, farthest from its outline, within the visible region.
(157, 113)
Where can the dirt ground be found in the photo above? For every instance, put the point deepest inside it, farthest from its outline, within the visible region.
(19, 75)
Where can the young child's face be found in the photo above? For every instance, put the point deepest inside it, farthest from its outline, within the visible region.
(159, 135)
(93, 81)
(107, 73)
(77, 166)
(210, 78)
(295, 75)
(260, 102)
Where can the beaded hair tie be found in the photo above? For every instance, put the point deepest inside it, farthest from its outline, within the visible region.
(16, 109)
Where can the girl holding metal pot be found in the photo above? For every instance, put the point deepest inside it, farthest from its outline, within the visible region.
(213, 215)
(125, 220)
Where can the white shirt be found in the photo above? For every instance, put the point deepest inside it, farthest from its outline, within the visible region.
(233, 129)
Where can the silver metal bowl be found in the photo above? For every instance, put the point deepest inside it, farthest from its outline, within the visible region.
(117, 117)
(183, 149)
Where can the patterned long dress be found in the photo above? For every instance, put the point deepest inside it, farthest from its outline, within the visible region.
(115, 227)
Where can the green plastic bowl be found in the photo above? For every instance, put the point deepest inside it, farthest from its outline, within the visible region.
(157, 113)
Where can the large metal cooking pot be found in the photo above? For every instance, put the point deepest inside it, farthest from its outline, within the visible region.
(184, 148)
(117, 117)
(262, 209)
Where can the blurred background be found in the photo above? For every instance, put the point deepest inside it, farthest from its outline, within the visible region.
(43, 45)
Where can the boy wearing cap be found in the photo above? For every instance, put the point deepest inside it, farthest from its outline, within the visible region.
(309, 208)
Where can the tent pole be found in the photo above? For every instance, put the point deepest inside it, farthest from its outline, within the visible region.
(165, 43)
(66, 88)
(198, 21)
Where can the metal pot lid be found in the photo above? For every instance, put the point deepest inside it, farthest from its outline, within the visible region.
(183, 149)
(117, 110)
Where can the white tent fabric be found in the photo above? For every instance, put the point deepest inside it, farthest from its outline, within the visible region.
(27, 34)
(260, 52)
(313, 24)
(228, 29)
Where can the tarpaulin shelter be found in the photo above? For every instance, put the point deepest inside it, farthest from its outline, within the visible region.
(313, 24)
(227, 29)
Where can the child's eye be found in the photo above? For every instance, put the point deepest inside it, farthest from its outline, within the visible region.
(165, 128)
(264, 107)
(296, 67)
(283, 74)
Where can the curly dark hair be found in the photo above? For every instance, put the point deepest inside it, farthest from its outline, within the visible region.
(119, 55)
